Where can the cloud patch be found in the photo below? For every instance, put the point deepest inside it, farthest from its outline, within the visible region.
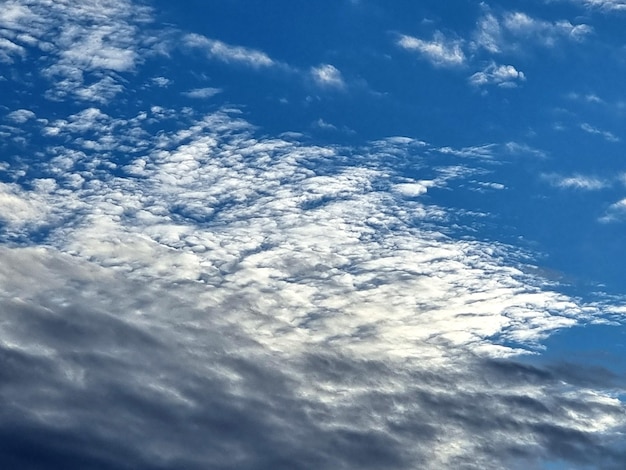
(580, 182)
(609, 136)
(504, 76)
(327, 75)
(228, 53)
(440, 51)
(202, 93)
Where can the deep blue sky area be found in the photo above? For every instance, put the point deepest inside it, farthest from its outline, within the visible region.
(290, 234)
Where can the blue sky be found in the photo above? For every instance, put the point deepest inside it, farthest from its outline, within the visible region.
(337, 234)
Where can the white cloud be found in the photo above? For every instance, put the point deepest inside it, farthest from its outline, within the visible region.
(609, 5)
(229, 53)
(413, 189)
(202, 93)
(615, 212)
(504, 76)
(273, 302)
(517, 148)
(86, 45)
(327, 75)
(514, 31)
(162, 82)
(271, 272)
(581, 182)
(477, 151)
(9, 49)
(545, 32)
(488, 34)
(322, 124)
(440, 51)
(20, 116)
(594, 130)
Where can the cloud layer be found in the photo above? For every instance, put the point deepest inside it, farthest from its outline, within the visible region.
(180, 290)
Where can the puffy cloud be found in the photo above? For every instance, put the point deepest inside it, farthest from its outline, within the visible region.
(609, 5)
(20, 116)
(504, 76)
(327, 75)
(86, 45)
(582, 182)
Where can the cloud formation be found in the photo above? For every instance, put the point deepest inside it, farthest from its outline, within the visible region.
(594, 130)
(228, 53)
(504, 76)
(327, 75)
(180, 290)
(581, 182)
(222, 271)
(440, 51)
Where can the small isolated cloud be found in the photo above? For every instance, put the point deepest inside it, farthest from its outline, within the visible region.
(231, 54)
(504, 76)
(202, 93)
(586, 98)
(594, 130)
(580, 182)
(476, 151)
(20, 116)
(161, 82)
(440, 51)
(517, 148)
(615, 212)
(321, 124)
(413, 189)
(489, 185)
(327, 75)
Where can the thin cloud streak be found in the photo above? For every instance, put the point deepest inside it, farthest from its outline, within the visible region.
(440, 51)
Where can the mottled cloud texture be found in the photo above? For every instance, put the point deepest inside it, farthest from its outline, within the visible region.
(179, 290)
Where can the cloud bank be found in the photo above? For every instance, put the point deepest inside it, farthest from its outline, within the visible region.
(181, 291)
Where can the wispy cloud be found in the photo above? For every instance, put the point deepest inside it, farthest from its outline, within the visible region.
(616, 212)
(505, 32)
(580, 182)
(544, 32)
(609, 5)
(229, 53)
(324, 75)
(594, 130)
(327, 75)
(440, 51)
(202, 93)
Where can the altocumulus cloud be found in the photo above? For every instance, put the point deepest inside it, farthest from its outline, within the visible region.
(236, 302)
(217, 299)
